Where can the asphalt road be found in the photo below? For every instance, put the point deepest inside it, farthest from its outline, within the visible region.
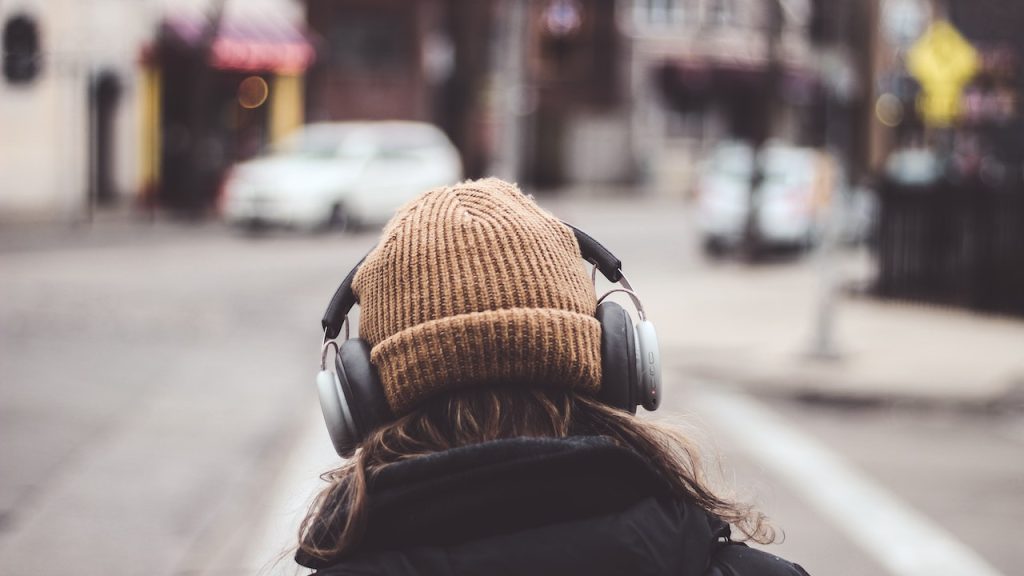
(155, 381)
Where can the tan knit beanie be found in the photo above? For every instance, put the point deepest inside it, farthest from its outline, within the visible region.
(474, 284)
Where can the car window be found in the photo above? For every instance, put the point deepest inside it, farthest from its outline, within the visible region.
(321, 142)
(363, 140)
(408, 152)
(788, 166)
(403, 136)
(396, 154)
(733, 161)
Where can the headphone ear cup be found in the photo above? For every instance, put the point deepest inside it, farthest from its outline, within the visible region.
(648, 366)
(335, 406)
(360, 383)
(618, 357)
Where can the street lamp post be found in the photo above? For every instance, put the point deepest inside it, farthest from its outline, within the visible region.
(198, 124)
(763, 127)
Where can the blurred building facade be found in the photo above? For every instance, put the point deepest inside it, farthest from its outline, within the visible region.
(69, 105)
(106, 102)
(988, 102)
(698, 75)
(703, 71)
(391, 59)
(228, 79)
(563, 92)
(951, 227)
(575, 108)
(545, 92)
(529, 90)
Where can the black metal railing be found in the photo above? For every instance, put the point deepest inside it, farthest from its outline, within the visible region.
(953, 243)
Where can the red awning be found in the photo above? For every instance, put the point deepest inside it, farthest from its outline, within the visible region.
(248, 43)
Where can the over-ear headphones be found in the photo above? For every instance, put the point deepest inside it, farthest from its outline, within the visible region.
(354, 403)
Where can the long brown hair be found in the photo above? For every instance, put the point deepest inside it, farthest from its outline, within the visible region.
(482, 414)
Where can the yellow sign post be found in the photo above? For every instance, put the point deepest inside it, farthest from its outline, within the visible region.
(943, 62)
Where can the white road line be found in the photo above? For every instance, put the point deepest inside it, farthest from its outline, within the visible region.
(904, 541)
(288, 503)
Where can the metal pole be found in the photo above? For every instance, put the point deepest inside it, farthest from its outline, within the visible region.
(823, 343)
(198, 128)
(91, 82)
(509, 162)
(763, 128)
(837, 143)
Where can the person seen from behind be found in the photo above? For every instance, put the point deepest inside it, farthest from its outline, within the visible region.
(487, 413)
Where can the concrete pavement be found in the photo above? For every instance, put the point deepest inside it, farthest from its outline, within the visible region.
(756, 327)
(151, 389)
(752, 325)
(148, 456)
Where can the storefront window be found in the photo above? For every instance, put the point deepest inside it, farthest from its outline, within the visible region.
(21, 49)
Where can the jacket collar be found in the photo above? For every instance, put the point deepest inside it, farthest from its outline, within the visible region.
(498, 488)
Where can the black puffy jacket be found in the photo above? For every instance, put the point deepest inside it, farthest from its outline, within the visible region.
(540, 506)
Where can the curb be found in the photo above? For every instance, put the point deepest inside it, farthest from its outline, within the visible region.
(819, 388)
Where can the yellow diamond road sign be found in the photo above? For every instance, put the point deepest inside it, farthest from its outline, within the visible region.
(943, 62)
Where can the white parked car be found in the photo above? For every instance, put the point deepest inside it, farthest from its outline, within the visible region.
(794, 194)
(340, 174)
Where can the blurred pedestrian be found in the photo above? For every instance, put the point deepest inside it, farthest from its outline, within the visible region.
(488, 411)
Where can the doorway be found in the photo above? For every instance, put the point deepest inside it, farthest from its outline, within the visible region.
(104, 96)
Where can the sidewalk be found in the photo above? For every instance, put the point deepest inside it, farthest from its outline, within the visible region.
(754, 326)
(109, 227)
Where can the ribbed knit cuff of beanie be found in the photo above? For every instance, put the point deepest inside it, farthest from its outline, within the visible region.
(474, 284)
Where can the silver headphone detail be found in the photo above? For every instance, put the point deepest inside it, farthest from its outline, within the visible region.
(647, 350)
(333, 402)
(648, 360)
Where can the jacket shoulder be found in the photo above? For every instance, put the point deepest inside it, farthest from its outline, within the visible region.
(737, 559)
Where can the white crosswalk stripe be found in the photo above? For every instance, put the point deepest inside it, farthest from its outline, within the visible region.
(901, 539)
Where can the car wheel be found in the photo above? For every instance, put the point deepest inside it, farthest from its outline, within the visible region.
(809, 242)
(337, 218)
(713, 247)
(253, 226)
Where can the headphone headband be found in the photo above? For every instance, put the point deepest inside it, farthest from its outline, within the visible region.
(344, 298)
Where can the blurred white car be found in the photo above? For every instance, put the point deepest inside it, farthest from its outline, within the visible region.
(340, 174)
(794, 193)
